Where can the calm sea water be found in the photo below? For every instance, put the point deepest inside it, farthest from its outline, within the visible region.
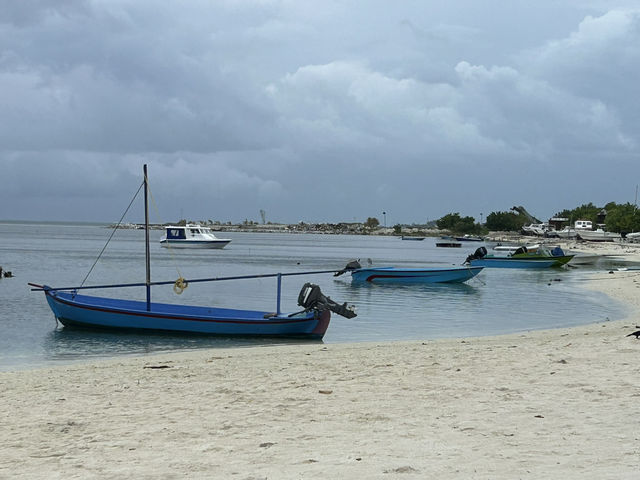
(496, 301)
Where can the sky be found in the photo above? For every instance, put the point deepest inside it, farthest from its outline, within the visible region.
(332, 111)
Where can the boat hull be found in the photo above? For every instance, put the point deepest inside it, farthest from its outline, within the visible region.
(559, 259)
(598, 236)
(106, 313)
(414, 275)
(508, 262)
(194, 243)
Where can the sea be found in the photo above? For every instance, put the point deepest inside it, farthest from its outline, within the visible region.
(497, 301)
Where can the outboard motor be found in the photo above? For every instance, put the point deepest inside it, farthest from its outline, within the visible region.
(479, 253)
(311, 297)
(352, 265)
(557, 252)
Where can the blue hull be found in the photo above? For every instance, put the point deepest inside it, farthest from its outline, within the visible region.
(106, 313)
(414, 275)
(508, 262)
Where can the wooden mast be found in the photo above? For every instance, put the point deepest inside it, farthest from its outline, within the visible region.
(146, 238)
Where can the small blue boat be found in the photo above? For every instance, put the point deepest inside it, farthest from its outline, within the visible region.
(75, 310)
(409, 275)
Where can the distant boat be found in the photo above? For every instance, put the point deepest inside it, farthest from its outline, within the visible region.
(633, 237)
(409, 275)
(537, 229)
(192, 236)
(469, 238)
(74, 310)
(448, 244)
(411, 237)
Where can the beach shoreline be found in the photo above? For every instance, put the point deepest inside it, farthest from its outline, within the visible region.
(555, 403)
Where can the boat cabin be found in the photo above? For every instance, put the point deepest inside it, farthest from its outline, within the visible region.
(187, 231)
(583, 225)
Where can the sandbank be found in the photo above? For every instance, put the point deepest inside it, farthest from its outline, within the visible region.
(543, 404)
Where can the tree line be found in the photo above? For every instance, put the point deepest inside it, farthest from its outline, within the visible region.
(621, 218)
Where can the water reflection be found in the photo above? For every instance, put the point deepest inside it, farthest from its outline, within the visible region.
(68, 344)
(495, 301)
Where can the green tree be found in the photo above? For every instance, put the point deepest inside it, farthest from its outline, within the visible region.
(372, 222)
(504, 222)
(622, 218)
(587, 211)
(457, 224)
(448, 222)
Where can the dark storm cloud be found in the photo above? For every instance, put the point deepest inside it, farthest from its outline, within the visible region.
(311, 112)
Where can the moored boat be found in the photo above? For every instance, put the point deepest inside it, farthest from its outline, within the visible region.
(469, 238)
(192, 236)
(509, 262)
(556, 254)
(481, 259)
(409, 275)
(449, 244)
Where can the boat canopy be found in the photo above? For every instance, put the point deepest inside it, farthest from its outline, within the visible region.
(176, 233)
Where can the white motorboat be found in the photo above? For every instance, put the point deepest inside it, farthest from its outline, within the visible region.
(598, 235)
(633, 237)
(192, 236)
(566, 232)
(537, 229)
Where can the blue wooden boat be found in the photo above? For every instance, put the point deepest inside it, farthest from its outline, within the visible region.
(409, 275)
(75, 310)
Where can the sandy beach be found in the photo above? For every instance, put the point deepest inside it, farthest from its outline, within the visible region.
(546, 404)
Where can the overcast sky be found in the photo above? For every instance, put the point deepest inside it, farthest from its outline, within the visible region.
(317, 111)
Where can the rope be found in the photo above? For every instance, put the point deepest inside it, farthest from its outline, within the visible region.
(180, 283)
(112, 234)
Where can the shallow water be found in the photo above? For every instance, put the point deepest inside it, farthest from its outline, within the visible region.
(496, 301)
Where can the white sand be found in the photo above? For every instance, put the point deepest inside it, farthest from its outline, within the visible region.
(556, 404)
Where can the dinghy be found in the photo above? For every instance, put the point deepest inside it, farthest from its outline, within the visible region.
(408, 275)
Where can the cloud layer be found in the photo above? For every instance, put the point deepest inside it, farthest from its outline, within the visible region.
(316, 113)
